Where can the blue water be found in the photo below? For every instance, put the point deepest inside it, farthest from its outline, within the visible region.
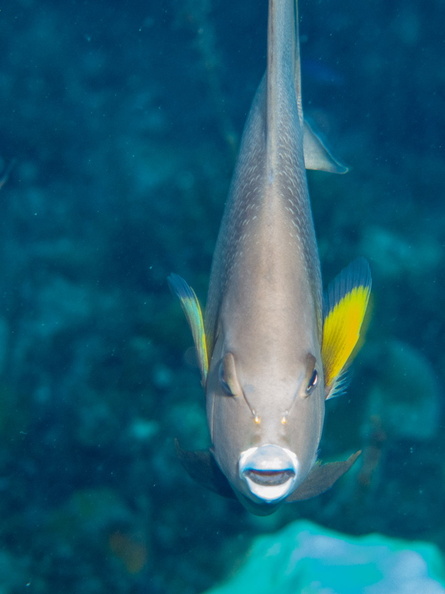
(121, 121)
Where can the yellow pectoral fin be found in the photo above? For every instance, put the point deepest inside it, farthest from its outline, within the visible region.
(193, 313)
(345, 311)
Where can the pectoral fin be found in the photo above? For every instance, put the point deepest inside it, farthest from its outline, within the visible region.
(192, 309)
(202, 468)
(345, 309)
(321, 478)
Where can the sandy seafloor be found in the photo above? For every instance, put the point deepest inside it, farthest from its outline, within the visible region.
(121, 121)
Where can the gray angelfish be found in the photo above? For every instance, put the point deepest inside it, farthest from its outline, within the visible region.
(269, 354)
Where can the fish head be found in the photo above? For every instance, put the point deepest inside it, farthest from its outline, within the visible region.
(265, 424)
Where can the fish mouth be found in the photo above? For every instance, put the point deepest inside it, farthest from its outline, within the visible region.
(269, 477)
(269, 472)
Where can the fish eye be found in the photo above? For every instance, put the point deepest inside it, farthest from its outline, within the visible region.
(312, 382)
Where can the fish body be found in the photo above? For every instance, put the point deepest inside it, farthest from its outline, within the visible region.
(260, 344)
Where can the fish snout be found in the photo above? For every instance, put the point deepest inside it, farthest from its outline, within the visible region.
(269, 471)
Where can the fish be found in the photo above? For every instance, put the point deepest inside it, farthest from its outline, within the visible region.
(270, 349)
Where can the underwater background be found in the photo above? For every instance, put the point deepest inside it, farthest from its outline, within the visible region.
(120, 123)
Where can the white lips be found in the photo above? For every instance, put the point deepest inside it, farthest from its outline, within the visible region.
(269, 471)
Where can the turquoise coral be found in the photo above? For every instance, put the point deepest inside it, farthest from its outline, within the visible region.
(307, 559)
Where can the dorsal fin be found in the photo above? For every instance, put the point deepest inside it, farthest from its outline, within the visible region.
(193, 313)
(344, 311)
(316, 155)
